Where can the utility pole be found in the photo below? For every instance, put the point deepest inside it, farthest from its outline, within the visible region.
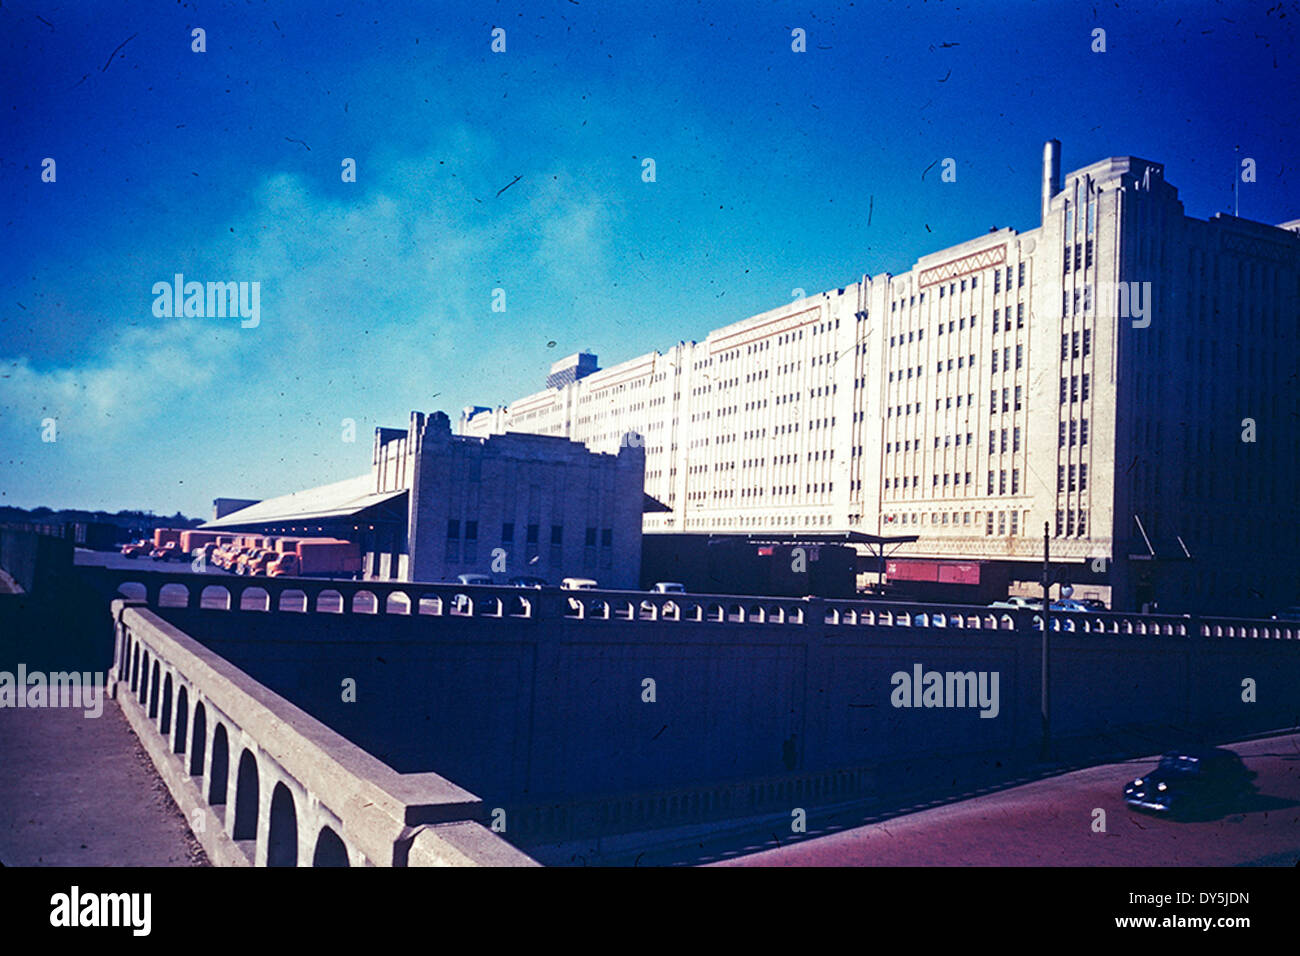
(1236, 178)
(1045, 686)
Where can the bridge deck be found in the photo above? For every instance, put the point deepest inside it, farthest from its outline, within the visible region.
(86, 795)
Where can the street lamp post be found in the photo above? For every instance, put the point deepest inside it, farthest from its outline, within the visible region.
(1045, 683)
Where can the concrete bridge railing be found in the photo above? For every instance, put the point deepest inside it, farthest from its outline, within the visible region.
(264, 783)
(161, 589)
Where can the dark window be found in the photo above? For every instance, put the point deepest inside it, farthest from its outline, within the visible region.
(591, 537)
(532, 534)
(557, 534)
(607, 537)
(508, 531)
(453, 528)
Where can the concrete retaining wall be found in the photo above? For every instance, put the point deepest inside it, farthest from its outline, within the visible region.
(539, 705)
(528, 709)
(37, 562)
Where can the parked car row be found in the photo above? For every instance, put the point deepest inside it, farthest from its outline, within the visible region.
(567, 584)
(1069, 605)
(165, 546)
(144, 548)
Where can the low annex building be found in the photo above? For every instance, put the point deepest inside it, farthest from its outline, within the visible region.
(435, 505)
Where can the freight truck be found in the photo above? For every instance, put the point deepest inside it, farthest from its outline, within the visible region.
(318, 558)
(190, 540)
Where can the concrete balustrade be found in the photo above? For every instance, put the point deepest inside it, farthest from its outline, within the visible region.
(264, 783)
(534, 699)
(380, 598)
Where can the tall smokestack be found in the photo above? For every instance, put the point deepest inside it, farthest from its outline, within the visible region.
(1051, 172)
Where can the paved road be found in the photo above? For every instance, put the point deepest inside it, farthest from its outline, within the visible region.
(1050, 823)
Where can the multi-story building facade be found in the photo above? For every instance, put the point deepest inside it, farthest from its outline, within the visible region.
(1123, 374)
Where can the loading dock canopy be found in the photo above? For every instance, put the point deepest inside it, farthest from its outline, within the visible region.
(342, 499)
(652, 505)
(819, 537)
(874, 544)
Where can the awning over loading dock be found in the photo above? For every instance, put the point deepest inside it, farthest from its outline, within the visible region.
(877, 547)
(820, 537)
(342, 499)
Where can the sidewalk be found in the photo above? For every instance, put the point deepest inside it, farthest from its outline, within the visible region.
(81, 792)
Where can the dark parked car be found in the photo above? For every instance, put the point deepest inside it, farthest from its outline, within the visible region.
(525, 581)
(1191, 782)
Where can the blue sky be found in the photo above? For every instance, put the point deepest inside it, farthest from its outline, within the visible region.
(775, 170)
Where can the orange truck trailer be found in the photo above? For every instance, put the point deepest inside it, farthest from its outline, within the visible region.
(317, 558)
(190, 540)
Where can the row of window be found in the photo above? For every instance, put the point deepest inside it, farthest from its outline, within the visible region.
(1006, 357)
(966, 517)
(950, 440)
(1071, 527)
(1012, 398)
(1064, 477)
(957, 479)
(959, 325)
(531, 533)
(1072, 299)
(1070, 344)
(1070, 387)
(1077, 256)
(1069, 522)
(1077, 434)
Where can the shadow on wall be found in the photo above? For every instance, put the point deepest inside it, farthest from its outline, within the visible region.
(560, 706)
